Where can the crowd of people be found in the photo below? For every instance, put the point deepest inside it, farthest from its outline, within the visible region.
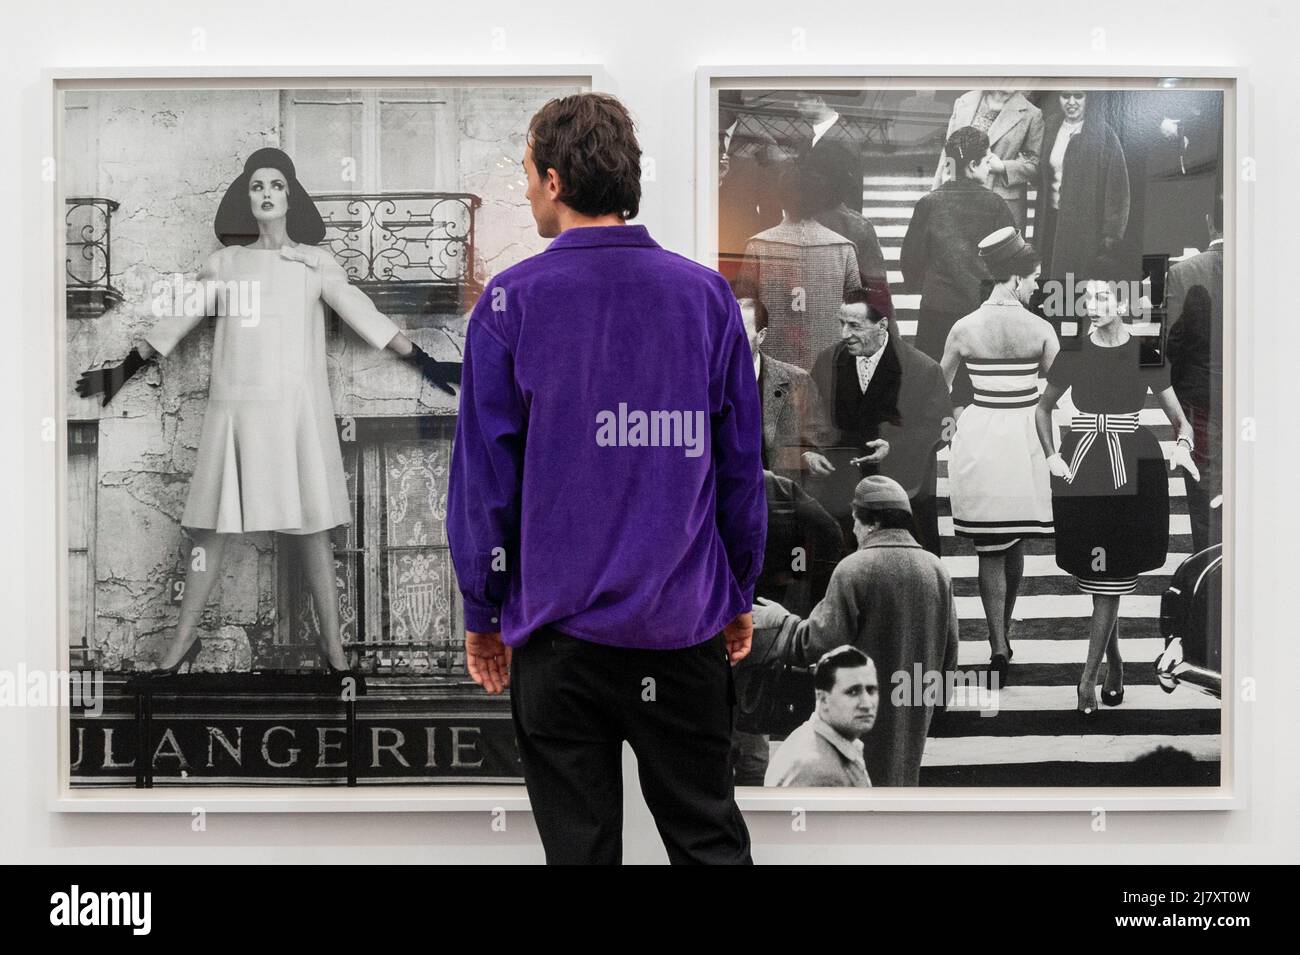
(1033, 191)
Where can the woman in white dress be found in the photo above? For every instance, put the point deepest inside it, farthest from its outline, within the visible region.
(269, 456)
(997, 474)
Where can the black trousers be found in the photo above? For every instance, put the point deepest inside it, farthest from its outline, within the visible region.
(574, 703)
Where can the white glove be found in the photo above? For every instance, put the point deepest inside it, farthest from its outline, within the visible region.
(1181, 457)
(1056, 464)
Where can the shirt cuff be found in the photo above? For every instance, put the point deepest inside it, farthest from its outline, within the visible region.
(481, 617)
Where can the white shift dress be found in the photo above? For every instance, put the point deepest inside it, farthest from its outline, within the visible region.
(269, 456)
(998, 480)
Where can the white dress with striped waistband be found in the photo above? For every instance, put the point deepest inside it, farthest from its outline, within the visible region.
(999, 484)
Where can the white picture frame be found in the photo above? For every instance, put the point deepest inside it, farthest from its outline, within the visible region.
(51, 344)
(1233, 791)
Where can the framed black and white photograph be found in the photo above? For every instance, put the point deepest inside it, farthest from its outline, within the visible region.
(1017, 296)
(263, 292)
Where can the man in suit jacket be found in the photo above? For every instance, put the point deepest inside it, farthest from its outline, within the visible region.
(827, 139)
(905, 407)
(1194, 297)
(793, 420)
(1015, 139)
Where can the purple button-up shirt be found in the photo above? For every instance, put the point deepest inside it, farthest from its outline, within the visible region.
(607, 474)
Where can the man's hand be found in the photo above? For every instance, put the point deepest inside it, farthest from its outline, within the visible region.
(878, 450)
(488, 660)
(739, 634)
(817, 462)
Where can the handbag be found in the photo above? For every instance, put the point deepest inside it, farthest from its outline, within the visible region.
(773, 696)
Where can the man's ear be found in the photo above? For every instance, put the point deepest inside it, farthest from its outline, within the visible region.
(553, 185)
(761, 336)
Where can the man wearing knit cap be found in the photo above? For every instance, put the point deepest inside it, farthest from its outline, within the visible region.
(893, 600)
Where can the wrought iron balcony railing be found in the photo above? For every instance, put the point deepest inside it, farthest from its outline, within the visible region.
(412, 252)
(89, 230)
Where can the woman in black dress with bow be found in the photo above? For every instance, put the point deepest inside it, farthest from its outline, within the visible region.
(1110, 488)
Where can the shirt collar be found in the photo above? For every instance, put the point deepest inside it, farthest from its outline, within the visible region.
(1216, 245)
(593, 236)
(826, 124)
(871, 360)
(850, 749)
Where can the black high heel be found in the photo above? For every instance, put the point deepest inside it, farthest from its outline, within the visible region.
(1082, 711)
(330, 668)
(1112, 697)
(189, 657)
(999, 663)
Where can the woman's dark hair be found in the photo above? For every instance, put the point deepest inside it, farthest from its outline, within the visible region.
(846, 657)
(966, 145)
(235, 224)
(805, 188)
(1021, 264)
(889, 518)
(589, 139)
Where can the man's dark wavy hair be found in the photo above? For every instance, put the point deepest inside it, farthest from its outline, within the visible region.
(589, 139)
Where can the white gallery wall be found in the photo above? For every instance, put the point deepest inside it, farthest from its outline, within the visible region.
(650, 52)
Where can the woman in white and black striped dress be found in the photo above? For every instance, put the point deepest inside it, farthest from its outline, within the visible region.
(997, 474)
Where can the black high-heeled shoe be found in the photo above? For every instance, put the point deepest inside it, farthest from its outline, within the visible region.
(337, 671)
(999, 663)
(189, 657)
(1112, 697)
(1080, 712)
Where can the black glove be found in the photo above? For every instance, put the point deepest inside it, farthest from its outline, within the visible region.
(441, 373)
(109, 381)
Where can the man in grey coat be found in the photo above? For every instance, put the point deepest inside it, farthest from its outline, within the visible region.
(893, 600)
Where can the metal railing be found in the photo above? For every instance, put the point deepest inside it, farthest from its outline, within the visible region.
(411, 251)
(89, 233)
